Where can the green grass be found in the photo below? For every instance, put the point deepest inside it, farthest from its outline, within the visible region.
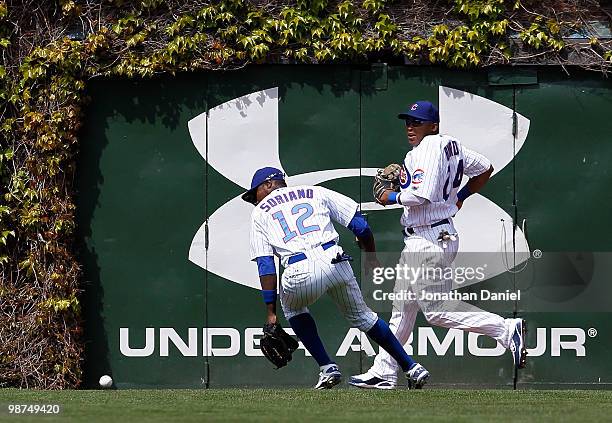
(302, 405)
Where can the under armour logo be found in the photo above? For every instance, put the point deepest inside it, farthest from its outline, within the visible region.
(223, 240)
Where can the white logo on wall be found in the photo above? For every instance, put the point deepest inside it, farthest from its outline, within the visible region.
(481, 124)
(163, 342)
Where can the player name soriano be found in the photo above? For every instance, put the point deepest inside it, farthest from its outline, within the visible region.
(483, 295)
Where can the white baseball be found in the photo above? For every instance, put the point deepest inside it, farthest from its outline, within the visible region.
(106, 381)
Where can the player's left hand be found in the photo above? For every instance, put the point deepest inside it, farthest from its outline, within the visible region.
(385, 181)
(271, 320)
(277, 345)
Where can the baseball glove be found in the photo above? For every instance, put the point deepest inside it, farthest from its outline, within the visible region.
(277, 345)
(386, 179)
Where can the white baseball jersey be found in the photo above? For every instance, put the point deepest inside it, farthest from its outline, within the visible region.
(433, 170)
(293, 220)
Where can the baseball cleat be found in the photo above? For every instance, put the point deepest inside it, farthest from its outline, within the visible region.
(329, 377)
(368, 381)
(417, 376)
(517, 344)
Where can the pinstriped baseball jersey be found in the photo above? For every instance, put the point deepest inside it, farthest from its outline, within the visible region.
(292, 220)
(433, 170)
(298, 219)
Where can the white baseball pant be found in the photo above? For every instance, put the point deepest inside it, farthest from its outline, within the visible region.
(304, 282)
(424, 249)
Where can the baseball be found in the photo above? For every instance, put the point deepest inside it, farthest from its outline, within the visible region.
(106, 382)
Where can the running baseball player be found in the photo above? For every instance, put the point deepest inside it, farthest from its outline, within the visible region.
(295, 223)
(429, 180)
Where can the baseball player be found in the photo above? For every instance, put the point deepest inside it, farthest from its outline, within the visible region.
(429, 180)
(295, 224)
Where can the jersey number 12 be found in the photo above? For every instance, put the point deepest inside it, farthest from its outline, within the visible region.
(290, 234)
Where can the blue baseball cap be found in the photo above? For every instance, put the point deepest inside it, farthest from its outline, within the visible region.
(262, 175)
(422, 110)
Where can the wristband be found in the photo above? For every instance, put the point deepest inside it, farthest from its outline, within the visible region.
(393, 196)
(464, 193)
(269, 296)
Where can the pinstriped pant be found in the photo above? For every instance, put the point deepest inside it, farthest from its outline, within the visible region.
(304, 282)
(423, 248)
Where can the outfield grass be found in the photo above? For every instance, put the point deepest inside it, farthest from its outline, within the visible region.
(301, 405)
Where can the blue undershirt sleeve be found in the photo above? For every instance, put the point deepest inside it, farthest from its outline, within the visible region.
(266, 266)
(359, 226)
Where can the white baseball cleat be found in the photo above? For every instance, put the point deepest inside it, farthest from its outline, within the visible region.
(368, 381)
(417, 376)
(517, 343)
(329, 377)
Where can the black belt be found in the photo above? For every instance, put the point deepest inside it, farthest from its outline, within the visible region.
(301, 256)
(433, 225)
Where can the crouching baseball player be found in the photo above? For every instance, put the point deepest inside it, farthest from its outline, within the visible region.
(295, 223)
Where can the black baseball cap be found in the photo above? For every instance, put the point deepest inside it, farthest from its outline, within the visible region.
(262, 175)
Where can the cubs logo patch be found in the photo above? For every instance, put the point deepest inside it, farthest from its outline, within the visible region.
(417, 176)
(403, 177)
(414, 106)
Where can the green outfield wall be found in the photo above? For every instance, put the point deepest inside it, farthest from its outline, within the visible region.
(170, 297)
